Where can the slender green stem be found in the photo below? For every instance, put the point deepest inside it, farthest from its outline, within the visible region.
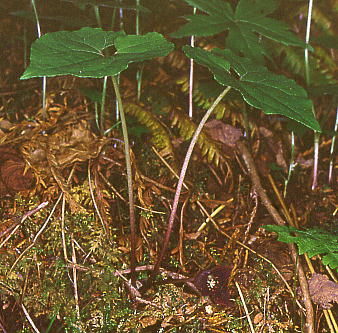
(139, 80)
(44, 91)
(113, 18)
(97, 15)
(332, 148)
(121, 18)
(139, 70)
(130, 185)
(25, 44)
(315, 159)
(51, 324)
(97, 116)
(117, 112)
(291, 164)
(103, 102)
(137, 22)
(36, 18)
(307, 40)
(44, 78)
(308, 82)
(191, 75)
(104, 88)
(181, 180)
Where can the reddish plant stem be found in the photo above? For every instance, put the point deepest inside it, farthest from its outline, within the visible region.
(180, 184)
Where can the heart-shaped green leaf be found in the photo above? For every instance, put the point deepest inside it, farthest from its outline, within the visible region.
(273, 94)
(135, 48)
(80, 52)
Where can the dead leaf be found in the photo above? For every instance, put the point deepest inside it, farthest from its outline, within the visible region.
(323, 291)
(224, 133)
(13, 175)
(148, 321)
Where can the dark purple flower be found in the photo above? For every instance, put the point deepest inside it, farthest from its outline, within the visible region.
(214, 283)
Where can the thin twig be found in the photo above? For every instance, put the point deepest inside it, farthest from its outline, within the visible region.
(137, 206)
(281, 201)
(248, 159)
(167, 188)
(3, 329)
(213, 214)
(169, 167)
(334, 323)
(328, 321)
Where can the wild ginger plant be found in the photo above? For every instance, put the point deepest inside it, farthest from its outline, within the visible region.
(80, 53)
(259, 87)
(239, 65)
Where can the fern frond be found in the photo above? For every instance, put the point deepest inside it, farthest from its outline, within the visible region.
(160, 135)
(204, 94)
(321, 62)
(322, 20)
(292, 58)
(200, 99)
(175, 60)
(209, 147)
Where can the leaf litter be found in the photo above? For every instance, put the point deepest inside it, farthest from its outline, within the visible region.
(36, 159)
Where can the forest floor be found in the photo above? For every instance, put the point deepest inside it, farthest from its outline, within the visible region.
(64, 214)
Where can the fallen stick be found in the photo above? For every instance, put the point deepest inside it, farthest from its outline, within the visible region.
(250, 164)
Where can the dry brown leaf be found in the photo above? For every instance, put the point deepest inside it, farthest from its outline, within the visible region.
(224, 133)
(13, 175)
(323, 291)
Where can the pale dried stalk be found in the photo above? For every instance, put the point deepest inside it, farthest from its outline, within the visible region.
(24, 217)
(37, 235)
(63, 233)
(76, 294)
(245, 307)
(94, 201)
(250, 164)
(29, 319)
(254, 252)
(294, 223)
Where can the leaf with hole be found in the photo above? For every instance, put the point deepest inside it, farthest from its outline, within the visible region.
(81, 52)
(133, 48)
